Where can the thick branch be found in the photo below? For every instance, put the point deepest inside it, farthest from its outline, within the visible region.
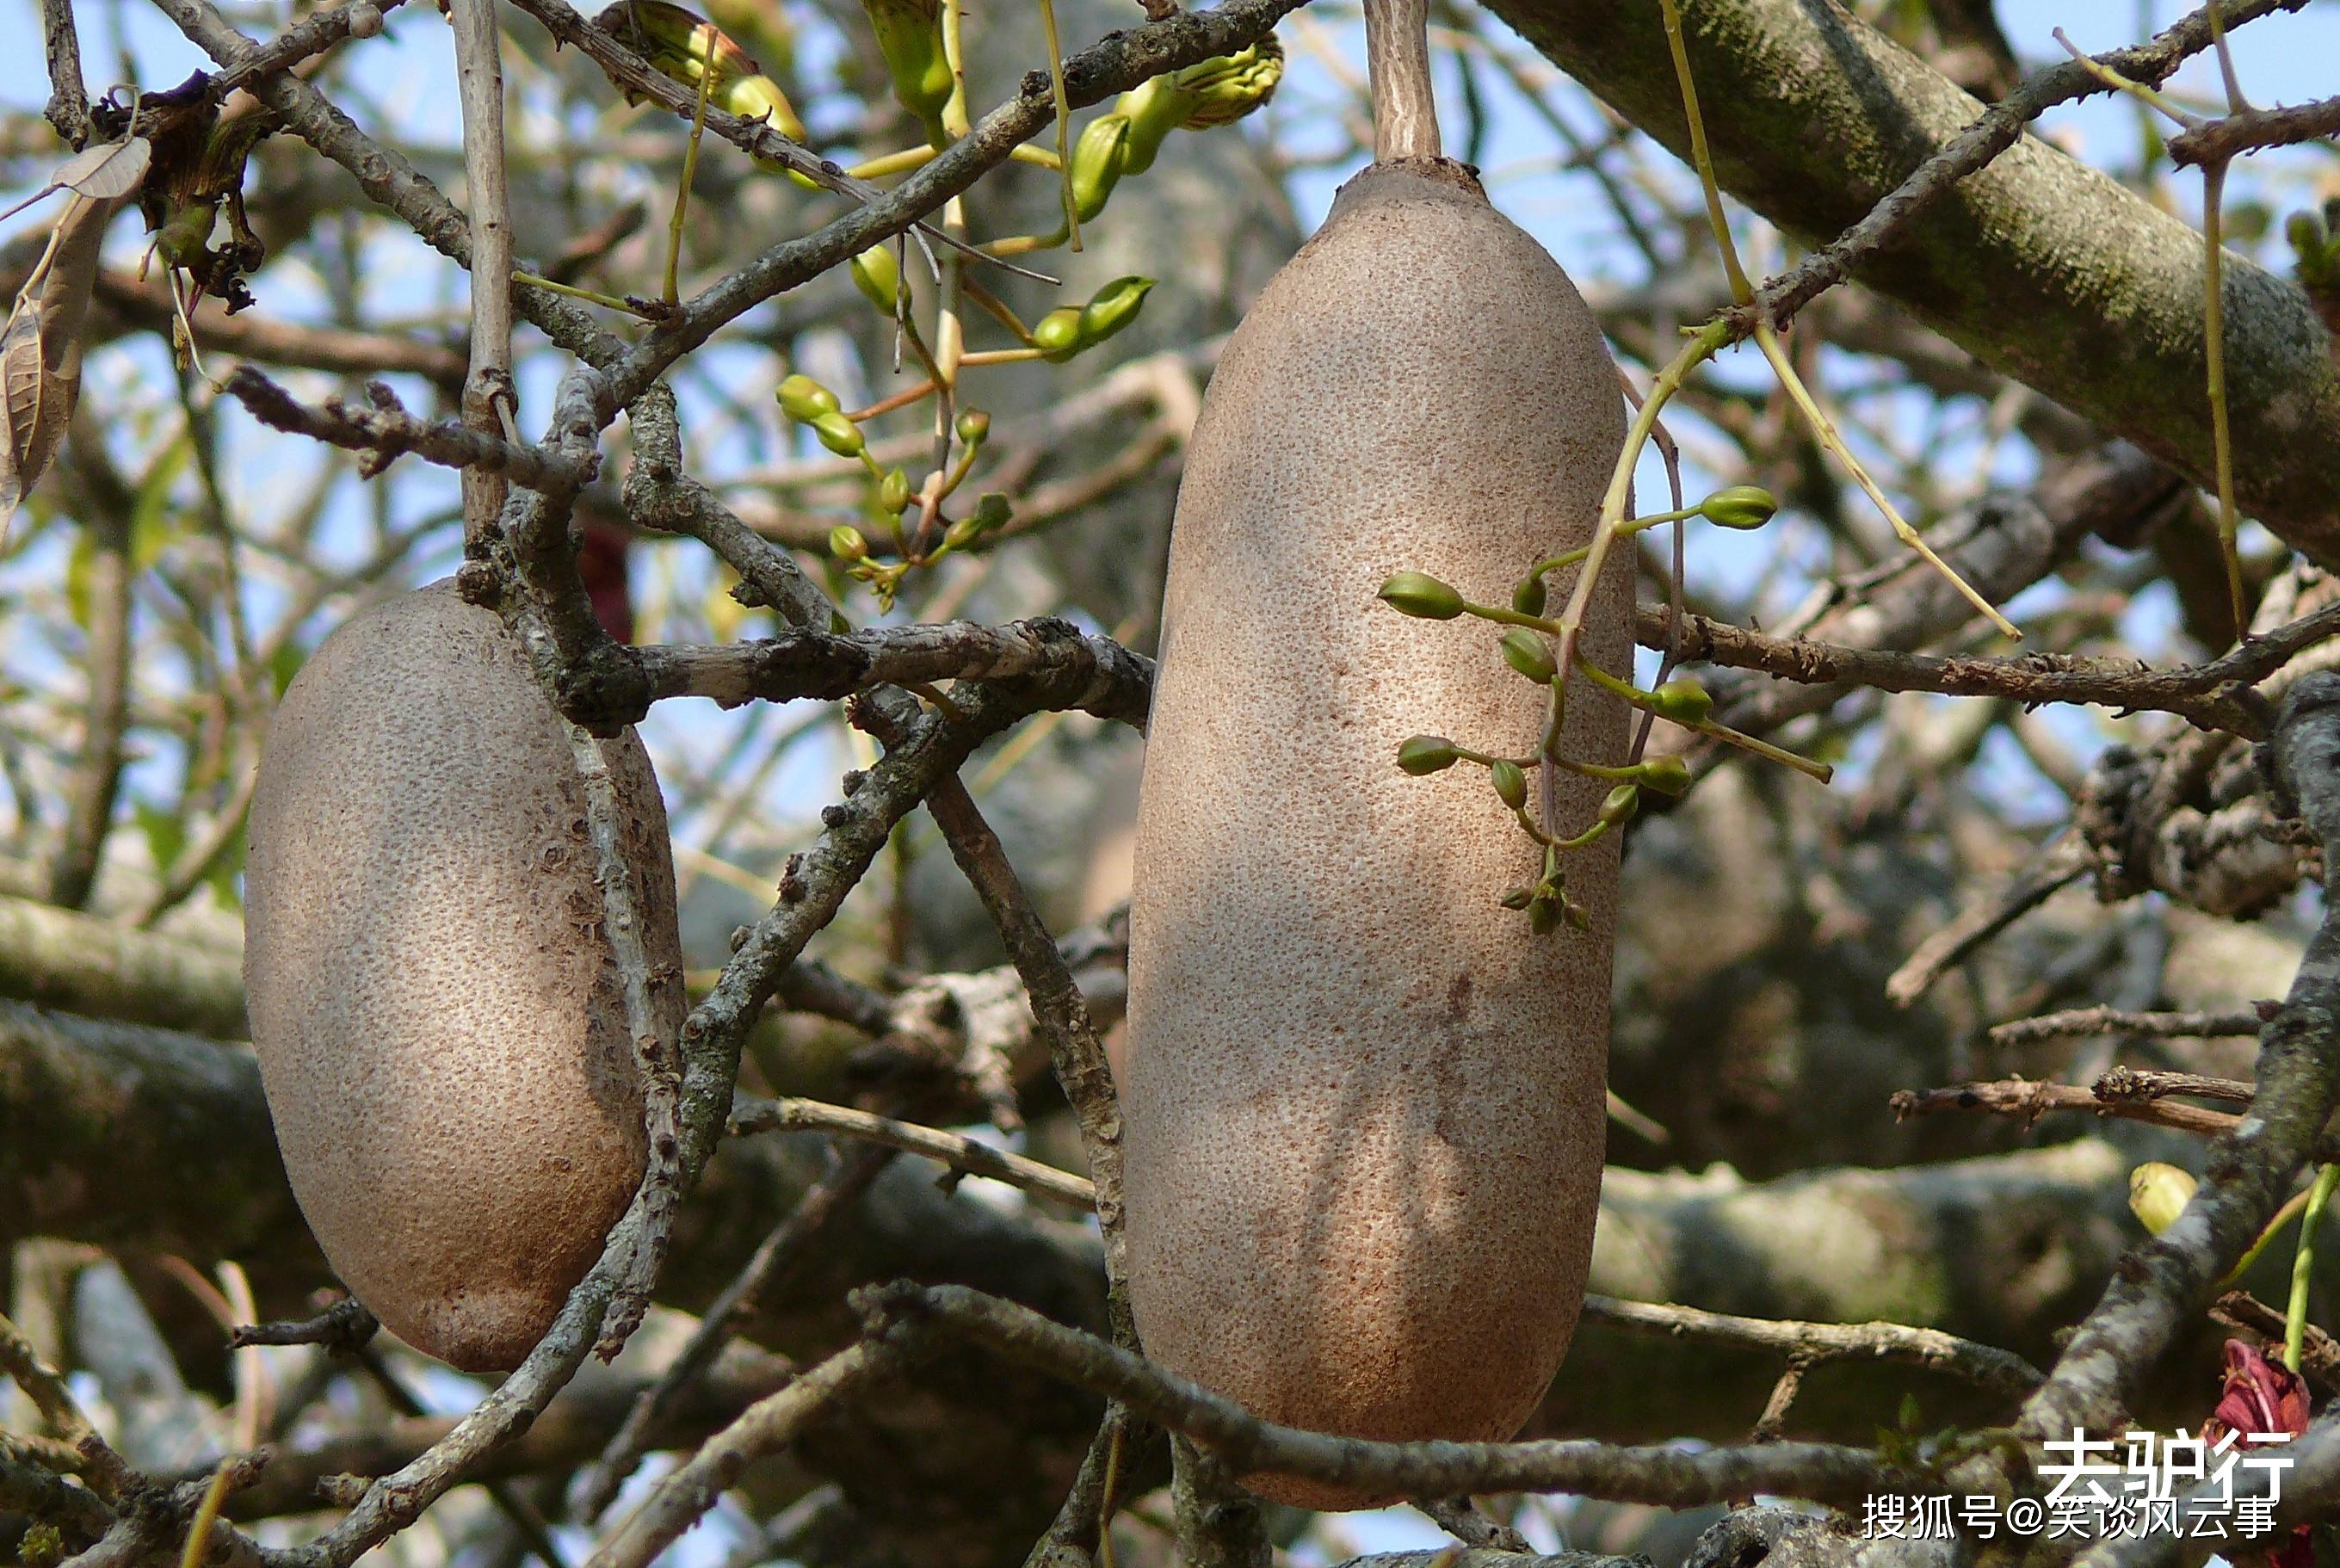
(63, 959)
(2041, 267)
(490, 394)
(1093, 674)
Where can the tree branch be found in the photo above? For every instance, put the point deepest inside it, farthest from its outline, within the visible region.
(1668, 1477)
(1093, 674)
(2042, 268)
(64, 959)
(386, 431)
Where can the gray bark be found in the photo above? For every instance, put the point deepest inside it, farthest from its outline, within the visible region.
(2043, 268)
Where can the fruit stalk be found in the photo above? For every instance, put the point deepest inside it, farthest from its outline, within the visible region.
(1397, 57)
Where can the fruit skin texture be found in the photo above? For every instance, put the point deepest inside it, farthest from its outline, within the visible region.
(1362, 1106)
(436, 1011)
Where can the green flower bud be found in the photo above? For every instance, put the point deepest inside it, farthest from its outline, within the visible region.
(1740, 506)
(894, 492)
(1528, 598)
(846, 543)
(1226, 87)
(973, 426)
(879, 277)
(2316, 241)
(1214, 91)
(1666, 774)
(1624, 801)
(759, 97)
(684, 46)
(804, 400)
(1543, 915)
(840, 434)
(1525, 652)
(1682, 702)
(1510, 782)
(1421, 596)
(1112, 308)
(910, 40)
(2158, 1193)
(992, 510)
(1098, 159)
(1423, 754)
(1517, 897)
(1057, 335)
(1578, 917)
(962, 533)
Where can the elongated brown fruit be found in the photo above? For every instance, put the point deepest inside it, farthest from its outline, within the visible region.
(1364, 1105)
(433, 995)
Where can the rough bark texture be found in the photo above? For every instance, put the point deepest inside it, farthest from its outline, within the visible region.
(2043, 268)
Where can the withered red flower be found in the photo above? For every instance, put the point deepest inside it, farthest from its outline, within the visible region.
(2266, 1401)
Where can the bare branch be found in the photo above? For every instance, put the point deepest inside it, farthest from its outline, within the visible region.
(68, 108)
(2212, 696)
(1093, 674)
(2026, 1100)
(490, 394)
(1993, 133)
(953, 1149)
(770, 1425)
(1667, 1476)
(2084, 1021)
(654, 1409)
(1814, 1342)
(2251, 1171)
(2254, 129)
(387, 177)
(386, 431)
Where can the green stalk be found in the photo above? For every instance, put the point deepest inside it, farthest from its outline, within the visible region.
(1741, 290)
(2214, 354)
(2302, 1265)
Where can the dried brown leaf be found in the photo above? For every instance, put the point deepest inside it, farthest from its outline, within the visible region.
(106, 171)
(40, 351)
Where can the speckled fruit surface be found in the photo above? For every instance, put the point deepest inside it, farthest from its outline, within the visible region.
(1363, 1105)
(433, 1001)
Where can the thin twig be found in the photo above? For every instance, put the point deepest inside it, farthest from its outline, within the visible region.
(770, 1263)
(2215, 695)
(770, 1425)
(1987, 1367)
(386, 431)
(953, 1149)
(2079, 1022)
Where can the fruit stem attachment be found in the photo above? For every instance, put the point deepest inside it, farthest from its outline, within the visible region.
(1397, 57)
